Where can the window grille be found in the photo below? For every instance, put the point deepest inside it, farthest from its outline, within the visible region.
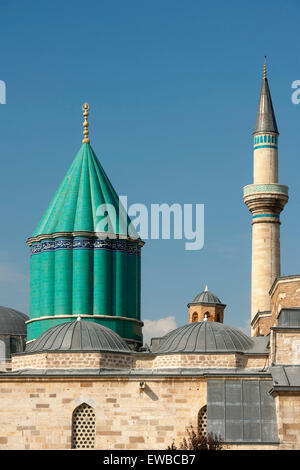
(202, 421)
(83, 427)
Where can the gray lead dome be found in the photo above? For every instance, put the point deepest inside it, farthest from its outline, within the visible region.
(207, 297)
(205, 337)
(12, 322)
(82, 335)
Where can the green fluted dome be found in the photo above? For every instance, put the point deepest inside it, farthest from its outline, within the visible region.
(84, 188)
(80, 265)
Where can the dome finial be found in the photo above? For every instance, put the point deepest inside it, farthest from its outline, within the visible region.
(85, 109)
(206, 289)
(78, 317)
(265, 68)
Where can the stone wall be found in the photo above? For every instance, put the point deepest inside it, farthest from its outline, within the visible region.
(37, 413)
(286, 346)
(29, 361)
(195, 360)
(144, 362)
(262, 325)
(285, 294)
(210, 361)
(288, 420)
(72, 360)
(253, 362)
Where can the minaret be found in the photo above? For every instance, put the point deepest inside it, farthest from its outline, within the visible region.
(265, 199)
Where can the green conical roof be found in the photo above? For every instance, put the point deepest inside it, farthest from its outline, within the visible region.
(74, 206)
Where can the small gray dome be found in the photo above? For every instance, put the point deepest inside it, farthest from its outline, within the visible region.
(12, 322)
(207, 297)
(205, 337)
(82, 335)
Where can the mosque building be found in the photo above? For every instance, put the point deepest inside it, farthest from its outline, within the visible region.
(75, 375)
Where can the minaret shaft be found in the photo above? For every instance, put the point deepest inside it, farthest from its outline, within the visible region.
(265, 165)
(265, 264)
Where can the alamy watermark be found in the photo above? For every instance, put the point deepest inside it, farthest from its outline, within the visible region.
(2, 92)
(160, 221)
(296, 94)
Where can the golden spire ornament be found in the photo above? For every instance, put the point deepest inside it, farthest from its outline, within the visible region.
(265, 68)
(85, 109)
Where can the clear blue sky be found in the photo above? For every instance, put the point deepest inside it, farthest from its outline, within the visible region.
(173, 86)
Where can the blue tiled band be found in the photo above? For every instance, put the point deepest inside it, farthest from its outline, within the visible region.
(265, 146)
(84, 244)
(266, 215)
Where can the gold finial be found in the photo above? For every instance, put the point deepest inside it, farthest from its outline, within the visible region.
(85, 109)
(265, 68)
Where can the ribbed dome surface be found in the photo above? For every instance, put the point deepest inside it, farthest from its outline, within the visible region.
(84, 188)
(205, 337)
(12, 322)
(207, 297)
(78, 336)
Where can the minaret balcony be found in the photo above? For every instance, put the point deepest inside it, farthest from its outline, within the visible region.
(265, 198)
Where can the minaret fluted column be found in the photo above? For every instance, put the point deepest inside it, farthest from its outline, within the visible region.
(265, 199)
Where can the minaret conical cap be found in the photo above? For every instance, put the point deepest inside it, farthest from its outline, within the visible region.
(265, 118)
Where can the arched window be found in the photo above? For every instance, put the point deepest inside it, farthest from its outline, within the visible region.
(202, 421)
(195, 317)
(83, 427)
(206, 316)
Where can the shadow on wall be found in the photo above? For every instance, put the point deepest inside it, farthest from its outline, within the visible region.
(146, 389)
